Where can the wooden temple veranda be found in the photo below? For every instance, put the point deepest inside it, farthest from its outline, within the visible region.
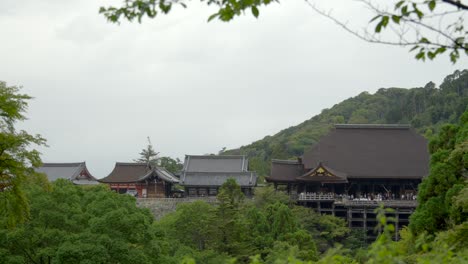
(354, 169)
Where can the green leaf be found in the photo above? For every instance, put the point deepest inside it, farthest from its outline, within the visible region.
(440, 50)
(421, 56)
(255, 11)
(460, 40)
(431, 55)
(375, 18)
(399, 4)
(432, 5)
(213, 16)
(396, 19)
(454, 55)
(419, 13)
(385, 20)
(424, 40)
(413, 48)
(404, 11)
(378, 28)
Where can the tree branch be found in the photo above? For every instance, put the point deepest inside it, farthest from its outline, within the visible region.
(458, 4)
(360, 36)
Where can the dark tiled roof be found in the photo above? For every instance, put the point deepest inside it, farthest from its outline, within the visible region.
(285, 170)
(209, 170)
(136, 172)
(76, 172)
(212, 163)
(244, 179)
(372, 151)
(165, 175)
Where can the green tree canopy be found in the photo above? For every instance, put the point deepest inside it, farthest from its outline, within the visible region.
(170, 164)
(438, 209)
(74, 224)
(17, 158)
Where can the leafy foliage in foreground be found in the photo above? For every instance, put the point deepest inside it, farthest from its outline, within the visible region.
(17, 159)
(442, 195)
(238, 228)
(426, 109)
(74, 224)
(71, 224)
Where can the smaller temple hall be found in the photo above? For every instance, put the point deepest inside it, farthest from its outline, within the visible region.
(141, 180)
(202, 175)
(76, 172)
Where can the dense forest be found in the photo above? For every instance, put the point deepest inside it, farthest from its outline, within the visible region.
(426, 109)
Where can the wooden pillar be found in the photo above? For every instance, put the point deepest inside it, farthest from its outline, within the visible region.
(350, 217)
(397, 219)
(365, 219)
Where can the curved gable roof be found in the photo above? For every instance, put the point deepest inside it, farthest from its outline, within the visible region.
(75, 171)
(324, 174)
(125, 172)
(285, 170)
(372, 151)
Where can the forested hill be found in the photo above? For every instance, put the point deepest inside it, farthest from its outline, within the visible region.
(426, 109)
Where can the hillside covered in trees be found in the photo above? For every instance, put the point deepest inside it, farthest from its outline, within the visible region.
(426, 109)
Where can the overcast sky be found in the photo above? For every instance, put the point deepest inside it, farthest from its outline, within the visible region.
(194, 87)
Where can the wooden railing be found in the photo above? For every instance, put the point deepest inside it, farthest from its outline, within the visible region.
(389, 203)
(315, 197)
(355, 202)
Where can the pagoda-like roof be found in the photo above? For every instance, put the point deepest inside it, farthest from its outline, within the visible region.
(125, 172)
(371, 151)
(77, 172)
(211, 170)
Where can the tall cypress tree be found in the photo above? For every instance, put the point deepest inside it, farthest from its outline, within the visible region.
(148, 155)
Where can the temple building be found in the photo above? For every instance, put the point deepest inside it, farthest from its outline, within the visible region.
(75, 172)
(203, 175)
(355, 168)
(141, 180)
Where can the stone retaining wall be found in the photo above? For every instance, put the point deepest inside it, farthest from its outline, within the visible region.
(162, 206)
